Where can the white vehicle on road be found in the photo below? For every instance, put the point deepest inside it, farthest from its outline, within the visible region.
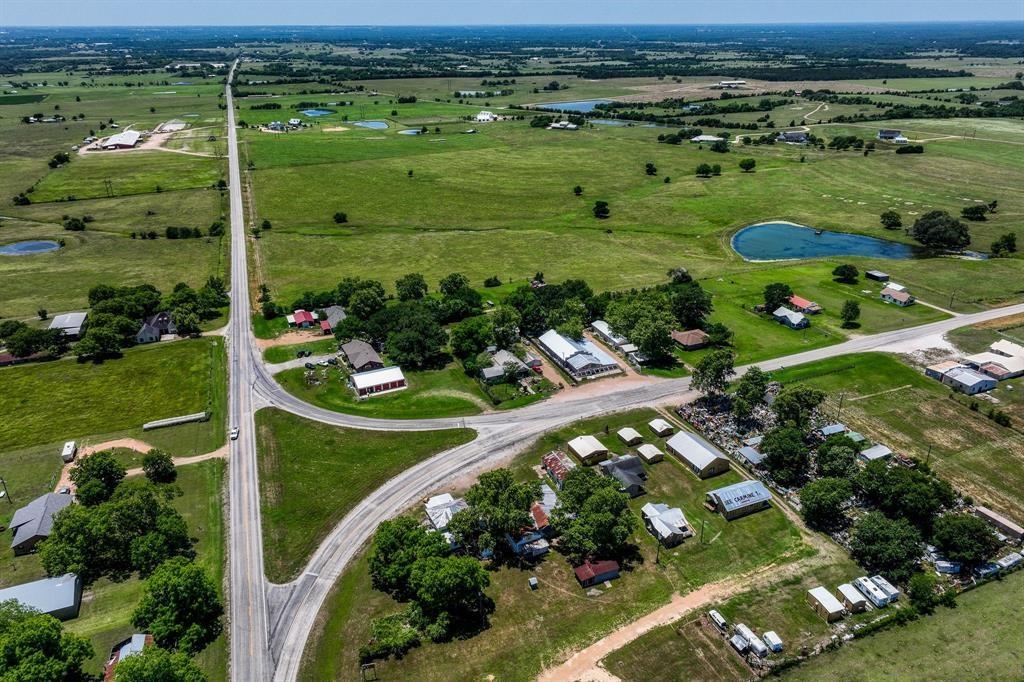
(234, 433)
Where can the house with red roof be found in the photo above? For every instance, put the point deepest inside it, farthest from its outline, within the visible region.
(592, 572)
(802, 305)
(301, 318)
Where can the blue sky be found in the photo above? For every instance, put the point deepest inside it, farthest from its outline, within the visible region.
(464, 12)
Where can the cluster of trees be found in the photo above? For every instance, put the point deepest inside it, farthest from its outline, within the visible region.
(75, 224)
(183, 232)
(445, 592)
(34, 646)
(684, 135)
(23, 341)
(1004, 245)
(498, 506)
(59, 159)
(706, 170)
(842, 142)
(941, 231)
(593, 518)
(116, 313)
(910, 149)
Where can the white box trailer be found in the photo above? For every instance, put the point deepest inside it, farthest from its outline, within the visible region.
(753, 640)
(718, 619)
(872, 591)
(68, 452)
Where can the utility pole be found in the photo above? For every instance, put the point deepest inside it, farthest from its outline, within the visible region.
(657, 557)
(951, 295)
(702, 531)
(839, 412)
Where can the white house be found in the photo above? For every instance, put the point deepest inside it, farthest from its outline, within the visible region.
(706, 138)
(485, 117)
(790, 318)
(667, 524)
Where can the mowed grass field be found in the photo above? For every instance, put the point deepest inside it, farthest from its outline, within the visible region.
(130, 203)
(49, 403)
(500, 202)
(530, 630)
(897, 405)
(976, 640)
(312, 474)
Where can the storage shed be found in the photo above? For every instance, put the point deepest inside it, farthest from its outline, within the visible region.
(826, 606)
(650, 453)
(660, 427)
(588, 448)
(702, 458)
(852, 599)
(59, 597)
(630, 436)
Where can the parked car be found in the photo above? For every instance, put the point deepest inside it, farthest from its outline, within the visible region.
(332, 361)
(310, 365)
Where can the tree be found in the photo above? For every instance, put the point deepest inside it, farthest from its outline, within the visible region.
(571, 328)
(939, 230)
(794, 404)
(500, 504)
(9, 327)
(101, 473)
(679, 275)
(365, 302)
(601, 210)
(577, 190)
(155, 664)
(720, 146)
(921, 591)
(180, 607)
(891, 220)
(822, 502)
(965, 538)
(711, 375)
(716, 169)
(703, 170)
(850, 314)
(505, 322)
(159, 467)
(902, 493)
(266, 224)
(452, 284)
(397, 545)
(1004, 245)
(340, 217)
(411, 287)
(416, 338)
(748, 165)
(976, 212)
(691, 305)
(719, 336)
(786, 455)
(33, 646)
(99, 343)
(593, 518)
(882, 545)
(837, 457)
(448, 594)
(776, 295)
(752, 386)
(650, 169)
(846, 273)
(470, 336)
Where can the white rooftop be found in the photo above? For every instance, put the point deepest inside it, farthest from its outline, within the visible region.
(694, 450)
(660, 426)
(586, 446)
(629, 434)
(376, 377)
(826, 599)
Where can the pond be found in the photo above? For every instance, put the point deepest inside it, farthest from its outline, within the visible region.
(373, 125)
(581, 106)
(28, 248)
(313, 113)
(409, 132)
(787, 241)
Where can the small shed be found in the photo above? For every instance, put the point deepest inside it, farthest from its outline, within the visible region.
(660, 427)
(875, 452)
(852, 599)
(877, 275)
(588, 448)
(629, 436)
(591, 572)
(826, 606)
(650, 453)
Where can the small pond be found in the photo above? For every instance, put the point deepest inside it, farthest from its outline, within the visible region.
(313, 113)
(786, 241)
(582, 106)
(409, 132)
(28, 248)
(373, 125)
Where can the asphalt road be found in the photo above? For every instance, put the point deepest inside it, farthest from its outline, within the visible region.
(270, 624)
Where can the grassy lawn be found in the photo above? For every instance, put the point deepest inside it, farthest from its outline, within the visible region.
(67, 400)
(312, 474)
(892, 403)
(547, 624)
(446, 392)
(105, 617)
(276, 354)
(975, 640)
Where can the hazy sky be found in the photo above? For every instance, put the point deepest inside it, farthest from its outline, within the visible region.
(463, 12)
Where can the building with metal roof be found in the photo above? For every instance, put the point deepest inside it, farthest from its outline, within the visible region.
(581, 359)
(588, 448)
(629, 435)
(650, 453)
(59, 597)
(441, 508)
(127, 648)
(667, 524)
(870, 590)
(750, 456)
(660, 427)
(377, 381)
(790, 318)
(852, 599)
(1004, 524)
(826, 606)
(34, 522)
(702, 458)
(607, 334)
(832, 429)
(69, 323)
(878, 451)
(558, 465)
(739, 499)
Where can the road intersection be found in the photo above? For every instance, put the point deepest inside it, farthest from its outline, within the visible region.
(270, 624)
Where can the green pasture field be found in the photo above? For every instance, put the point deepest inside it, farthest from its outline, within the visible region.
(312, 474)
(102, 253)
(446, 392)
(939, 83)
(364, 107)
(49, 403)
(897, 405)
(558, 618)
(317, 346)
(507, 191)
(107, 606)
(974, 640)
(693, 648)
